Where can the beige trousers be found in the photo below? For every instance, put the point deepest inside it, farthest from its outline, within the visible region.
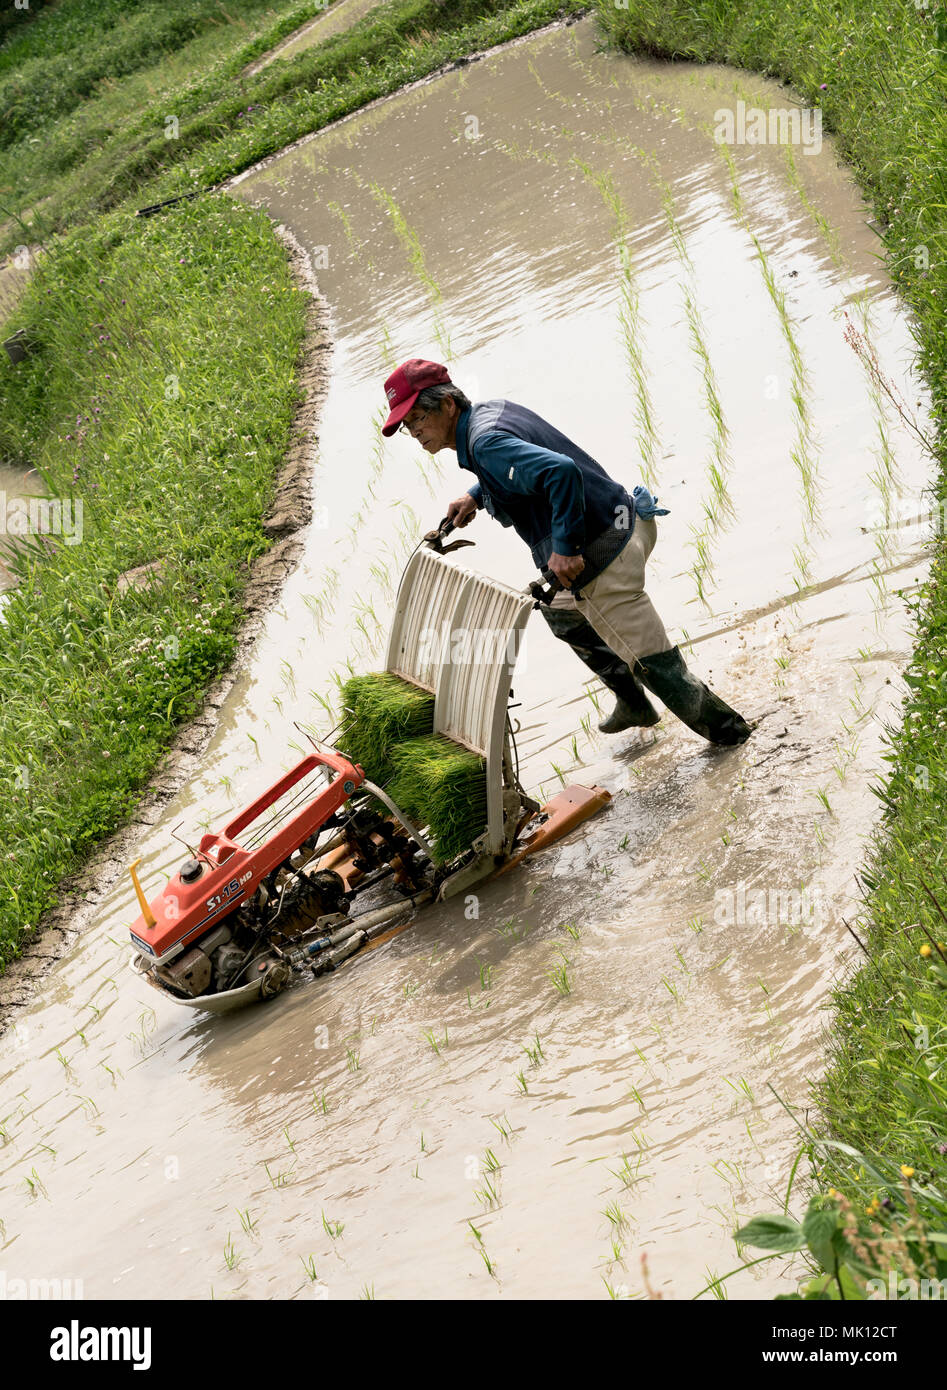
(616, 605)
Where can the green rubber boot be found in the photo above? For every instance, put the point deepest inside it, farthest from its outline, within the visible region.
(666, 675)
(633, 710)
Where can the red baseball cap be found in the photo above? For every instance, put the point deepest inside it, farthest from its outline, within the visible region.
(405, 383)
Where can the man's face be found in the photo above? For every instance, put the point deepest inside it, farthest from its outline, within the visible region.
(433, 429)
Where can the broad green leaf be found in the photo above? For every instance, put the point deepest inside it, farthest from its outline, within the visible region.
(772, 1233)
(818, 1228)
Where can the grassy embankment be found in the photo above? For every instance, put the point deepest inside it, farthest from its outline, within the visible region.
(880, 76)
(138, 401)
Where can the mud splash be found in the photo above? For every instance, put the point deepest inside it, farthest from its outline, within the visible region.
(524, 1093)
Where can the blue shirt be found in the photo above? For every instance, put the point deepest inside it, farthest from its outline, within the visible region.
(532, 477)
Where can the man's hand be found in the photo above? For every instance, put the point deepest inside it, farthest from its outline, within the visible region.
(565, 567)
(462, 511)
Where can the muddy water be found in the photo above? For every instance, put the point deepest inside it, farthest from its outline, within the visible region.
(646, 1120)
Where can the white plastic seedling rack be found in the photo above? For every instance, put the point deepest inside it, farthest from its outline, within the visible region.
(456, 634)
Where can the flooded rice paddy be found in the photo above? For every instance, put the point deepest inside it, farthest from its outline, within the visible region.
(520, 1097)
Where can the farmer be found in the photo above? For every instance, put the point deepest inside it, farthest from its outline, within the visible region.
(580, 524)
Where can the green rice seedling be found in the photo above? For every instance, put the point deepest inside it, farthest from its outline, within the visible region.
(616, 1216)
(671, 988)
(503, 1128)
(491, 1267)
(320, 1103)
(627, 1175)
(231, 1258)
(630, 328)
(332, 1228)
(487, 1195)
(730, 1172)
(246, 1220)
(623, 842)
(696, 925)
(88, 1105)
(352, 1059)
(325, 704)
(443, 786)
(309, 1265)
(434, 1041)
(477, 1235)
(367, 1294)
(521, 1082)
(636, 1095)
(820, 794)
(615, 1291)
(35, 1184)
(560, 979)
(381, 710)
(486, 970)
(280, 1179)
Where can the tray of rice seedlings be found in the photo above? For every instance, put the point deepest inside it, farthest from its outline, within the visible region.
(443, 786)
(379, 711)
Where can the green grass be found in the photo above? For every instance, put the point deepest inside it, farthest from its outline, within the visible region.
(161, 397)
(880, 77)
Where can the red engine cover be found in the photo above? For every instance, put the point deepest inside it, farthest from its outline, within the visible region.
(231, 873)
